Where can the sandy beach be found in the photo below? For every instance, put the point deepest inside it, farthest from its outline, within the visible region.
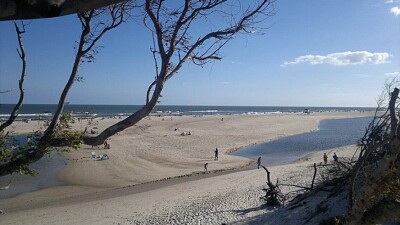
(107, 192)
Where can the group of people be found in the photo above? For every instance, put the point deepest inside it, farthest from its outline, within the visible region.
(183, 133)
(335, 158)
(325, 158)
(187, 133)
(216, 159)
(106, 145)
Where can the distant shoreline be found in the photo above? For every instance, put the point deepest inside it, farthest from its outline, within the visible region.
(45, 111)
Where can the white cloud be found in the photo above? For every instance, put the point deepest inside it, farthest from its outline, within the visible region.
(225, 82)
(342, 58)
(392, 1)
(393, 74)
(395, 10)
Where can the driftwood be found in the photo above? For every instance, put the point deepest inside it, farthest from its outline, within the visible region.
(375, 177)
(273, 194)
(302, 188)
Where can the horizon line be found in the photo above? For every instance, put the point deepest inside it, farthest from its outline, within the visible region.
(304, 106)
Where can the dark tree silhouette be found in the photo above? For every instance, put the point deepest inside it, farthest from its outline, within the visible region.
(27, 9)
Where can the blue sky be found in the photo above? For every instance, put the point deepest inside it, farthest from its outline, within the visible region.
(313, 53)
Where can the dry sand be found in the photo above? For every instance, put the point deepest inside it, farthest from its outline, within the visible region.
(101, 192)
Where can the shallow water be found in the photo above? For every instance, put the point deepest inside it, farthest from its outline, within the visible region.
(330, 134)
(46, 168)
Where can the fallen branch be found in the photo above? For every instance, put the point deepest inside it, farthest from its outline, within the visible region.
(273, 194)
(298, 186)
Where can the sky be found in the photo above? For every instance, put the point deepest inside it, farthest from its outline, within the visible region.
(310, 53)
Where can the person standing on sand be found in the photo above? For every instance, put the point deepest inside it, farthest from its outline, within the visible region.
(325, 158)
(335, 158)
(216, 154)
(258, 162)
(205, 167)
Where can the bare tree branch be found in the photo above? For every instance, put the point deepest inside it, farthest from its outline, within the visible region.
(157, 27)
(21, 53)
(149, 90)
(87, 41)
(86, 28)
(170, 36)
(6, 91)
(129, 121)
(19, 157)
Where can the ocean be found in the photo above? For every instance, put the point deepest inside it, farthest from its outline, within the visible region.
(45, 111)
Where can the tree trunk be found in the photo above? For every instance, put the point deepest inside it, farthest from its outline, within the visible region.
(129, 121)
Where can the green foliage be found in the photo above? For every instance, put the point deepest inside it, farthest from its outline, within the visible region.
(65, 120)
(4, 146)
(12, 150)
(25, 170)
(3, 152)
(70, 138)
(33, 139)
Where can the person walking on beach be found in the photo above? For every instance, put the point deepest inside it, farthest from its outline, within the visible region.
(216, 154)
(205, 167)
(325, 158)
(258, 162)
(335, 158)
